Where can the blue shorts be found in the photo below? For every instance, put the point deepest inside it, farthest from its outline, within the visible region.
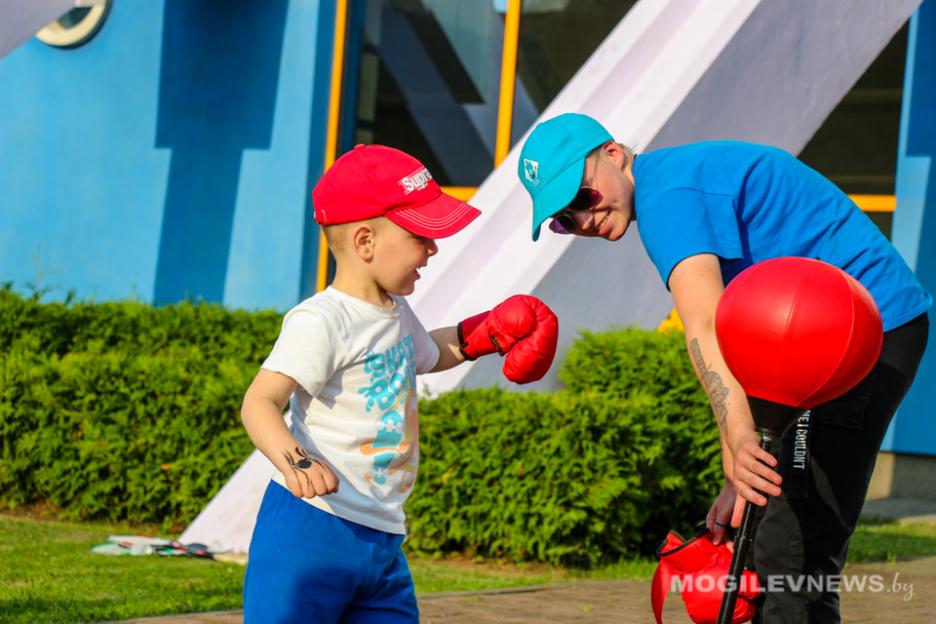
(307, 565)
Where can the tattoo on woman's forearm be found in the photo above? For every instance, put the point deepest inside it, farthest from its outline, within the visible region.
(713, 384)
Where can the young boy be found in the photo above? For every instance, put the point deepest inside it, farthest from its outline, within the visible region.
(327, 544)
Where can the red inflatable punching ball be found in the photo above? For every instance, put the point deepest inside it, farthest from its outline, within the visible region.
(798, 332)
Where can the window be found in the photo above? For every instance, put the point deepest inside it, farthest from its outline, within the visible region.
(428, 84)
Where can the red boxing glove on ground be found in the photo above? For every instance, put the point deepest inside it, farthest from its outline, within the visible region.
(702, 570)
(523, 328)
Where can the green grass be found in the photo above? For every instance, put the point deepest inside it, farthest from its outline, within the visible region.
(877, 540)
(48, 574)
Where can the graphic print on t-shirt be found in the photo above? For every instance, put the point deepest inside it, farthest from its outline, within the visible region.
(392, 391)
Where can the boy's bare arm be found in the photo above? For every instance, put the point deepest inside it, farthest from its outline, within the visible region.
(450, 356)
(262, 415)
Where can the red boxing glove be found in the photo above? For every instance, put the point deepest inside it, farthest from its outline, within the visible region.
(702, 570)
(523, 328)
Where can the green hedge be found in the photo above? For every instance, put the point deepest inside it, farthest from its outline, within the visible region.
(120, 437)
(594, 473)
(132, 327)
(125, 412)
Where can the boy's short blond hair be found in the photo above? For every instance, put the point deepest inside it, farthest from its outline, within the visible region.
(337, 235)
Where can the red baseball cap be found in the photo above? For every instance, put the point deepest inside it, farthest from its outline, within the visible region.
(378, 181)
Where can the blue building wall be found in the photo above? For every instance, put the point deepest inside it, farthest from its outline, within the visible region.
(914, 230)
(171, 156)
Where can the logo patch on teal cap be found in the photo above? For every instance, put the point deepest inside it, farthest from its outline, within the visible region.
(531, 171)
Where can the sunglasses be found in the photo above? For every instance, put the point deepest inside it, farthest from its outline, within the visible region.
(563, 222)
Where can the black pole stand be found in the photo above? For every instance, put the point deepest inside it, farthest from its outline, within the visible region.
(771, 420)
(743, 541)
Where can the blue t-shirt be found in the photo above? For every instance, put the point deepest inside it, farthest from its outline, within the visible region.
(746, 203)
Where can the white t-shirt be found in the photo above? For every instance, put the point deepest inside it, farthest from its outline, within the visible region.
(355, 407)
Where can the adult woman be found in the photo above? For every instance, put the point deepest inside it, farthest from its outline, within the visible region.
(705, 212)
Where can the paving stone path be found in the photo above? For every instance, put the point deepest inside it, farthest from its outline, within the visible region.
(908, 595)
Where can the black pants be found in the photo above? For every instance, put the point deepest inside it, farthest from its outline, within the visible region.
(826, 460)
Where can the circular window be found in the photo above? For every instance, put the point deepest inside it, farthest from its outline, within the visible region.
(76, 27)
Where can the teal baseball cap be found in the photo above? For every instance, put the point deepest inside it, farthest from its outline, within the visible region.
(552, 162)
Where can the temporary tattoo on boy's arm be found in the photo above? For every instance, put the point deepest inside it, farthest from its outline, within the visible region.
(713, 384)
(302, 463)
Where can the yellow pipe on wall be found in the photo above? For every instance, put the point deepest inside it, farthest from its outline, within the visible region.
(334, 117)
(875, 203)
(507, 81)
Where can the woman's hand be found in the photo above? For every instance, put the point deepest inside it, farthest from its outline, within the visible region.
(753, 469)
(726, 511)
